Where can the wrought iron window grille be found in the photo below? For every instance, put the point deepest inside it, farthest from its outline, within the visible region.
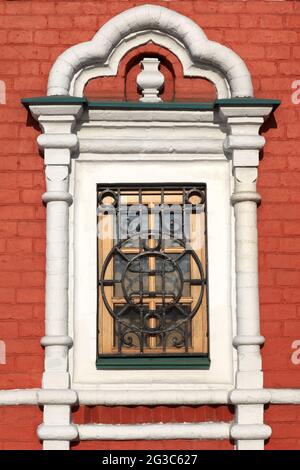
(152, 264)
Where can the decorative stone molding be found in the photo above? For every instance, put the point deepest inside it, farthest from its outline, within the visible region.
(142, 38)
(150, 18)
(159, 146)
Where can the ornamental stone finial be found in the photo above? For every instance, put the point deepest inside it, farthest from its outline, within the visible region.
(150, 80)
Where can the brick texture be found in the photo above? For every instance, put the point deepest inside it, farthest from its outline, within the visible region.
(33, 33)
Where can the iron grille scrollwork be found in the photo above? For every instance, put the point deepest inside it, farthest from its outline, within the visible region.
(152, 280)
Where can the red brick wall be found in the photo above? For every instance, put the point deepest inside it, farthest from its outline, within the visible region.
(33, 33)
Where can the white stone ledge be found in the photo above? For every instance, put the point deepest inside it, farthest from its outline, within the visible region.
(152, 398)
(128, 398)
(18, 397)
(284, 396)
(154, 431)
(150, 157)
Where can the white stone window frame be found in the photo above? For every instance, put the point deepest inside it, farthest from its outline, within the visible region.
(240, 117)
(92, 170)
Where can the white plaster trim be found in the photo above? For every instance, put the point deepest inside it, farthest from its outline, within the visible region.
(119, 118)
(143, 18)
(151, 398)
(284, 396)
(18, 397)
(130, 134)
(138, 146)
(121, 432)
(83, 282)
(153, 157)
(280, 396)
(110, 68)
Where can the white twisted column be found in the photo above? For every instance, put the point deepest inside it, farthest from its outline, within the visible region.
(242, 145)
(58, 143)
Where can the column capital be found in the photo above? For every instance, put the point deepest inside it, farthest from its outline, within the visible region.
(243, 142)
(57, 121)
(56, 118)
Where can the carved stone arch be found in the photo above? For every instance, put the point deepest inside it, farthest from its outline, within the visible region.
(150, 23)
(134, 41)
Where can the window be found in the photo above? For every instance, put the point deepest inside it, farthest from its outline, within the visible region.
(152, 307)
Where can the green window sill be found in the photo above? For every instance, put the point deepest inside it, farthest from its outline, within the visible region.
(152, 362)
